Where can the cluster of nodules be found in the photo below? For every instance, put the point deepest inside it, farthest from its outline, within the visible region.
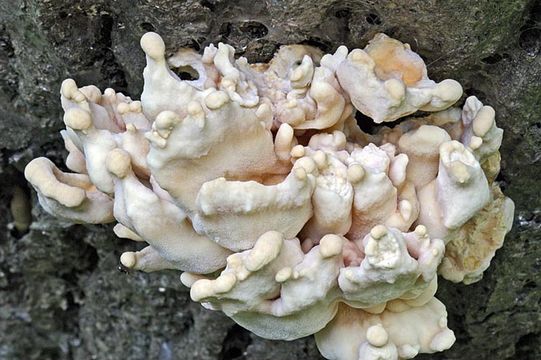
(256, 181)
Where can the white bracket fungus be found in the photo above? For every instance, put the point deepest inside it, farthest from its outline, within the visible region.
(257, 183)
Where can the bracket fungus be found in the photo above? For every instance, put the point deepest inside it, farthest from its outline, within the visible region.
(256, 182)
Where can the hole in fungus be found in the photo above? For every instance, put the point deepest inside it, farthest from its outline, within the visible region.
(186, 73)
(365, 123)
(62, 14)
(147, 26)
(235, 343)
(373, 19)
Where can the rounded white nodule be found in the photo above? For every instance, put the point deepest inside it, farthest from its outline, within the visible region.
(377, 336)
(153, 45)
(128, 259)
(378, 232)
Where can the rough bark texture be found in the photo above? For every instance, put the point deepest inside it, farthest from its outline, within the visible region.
(61, 293)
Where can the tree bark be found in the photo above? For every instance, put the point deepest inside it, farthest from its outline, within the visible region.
(61, 293)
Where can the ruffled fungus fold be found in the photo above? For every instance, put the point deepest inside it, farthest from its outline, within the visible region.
(256, 181)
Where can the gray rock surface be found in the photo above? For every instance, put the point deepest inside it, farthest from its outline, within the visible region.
(61, 293)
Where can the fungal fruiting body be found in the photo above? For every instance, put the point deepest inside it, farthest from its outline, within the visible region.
(257, 183)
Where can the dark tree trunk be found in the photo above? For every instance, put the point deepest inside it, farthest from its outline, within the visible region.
(61, 293)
